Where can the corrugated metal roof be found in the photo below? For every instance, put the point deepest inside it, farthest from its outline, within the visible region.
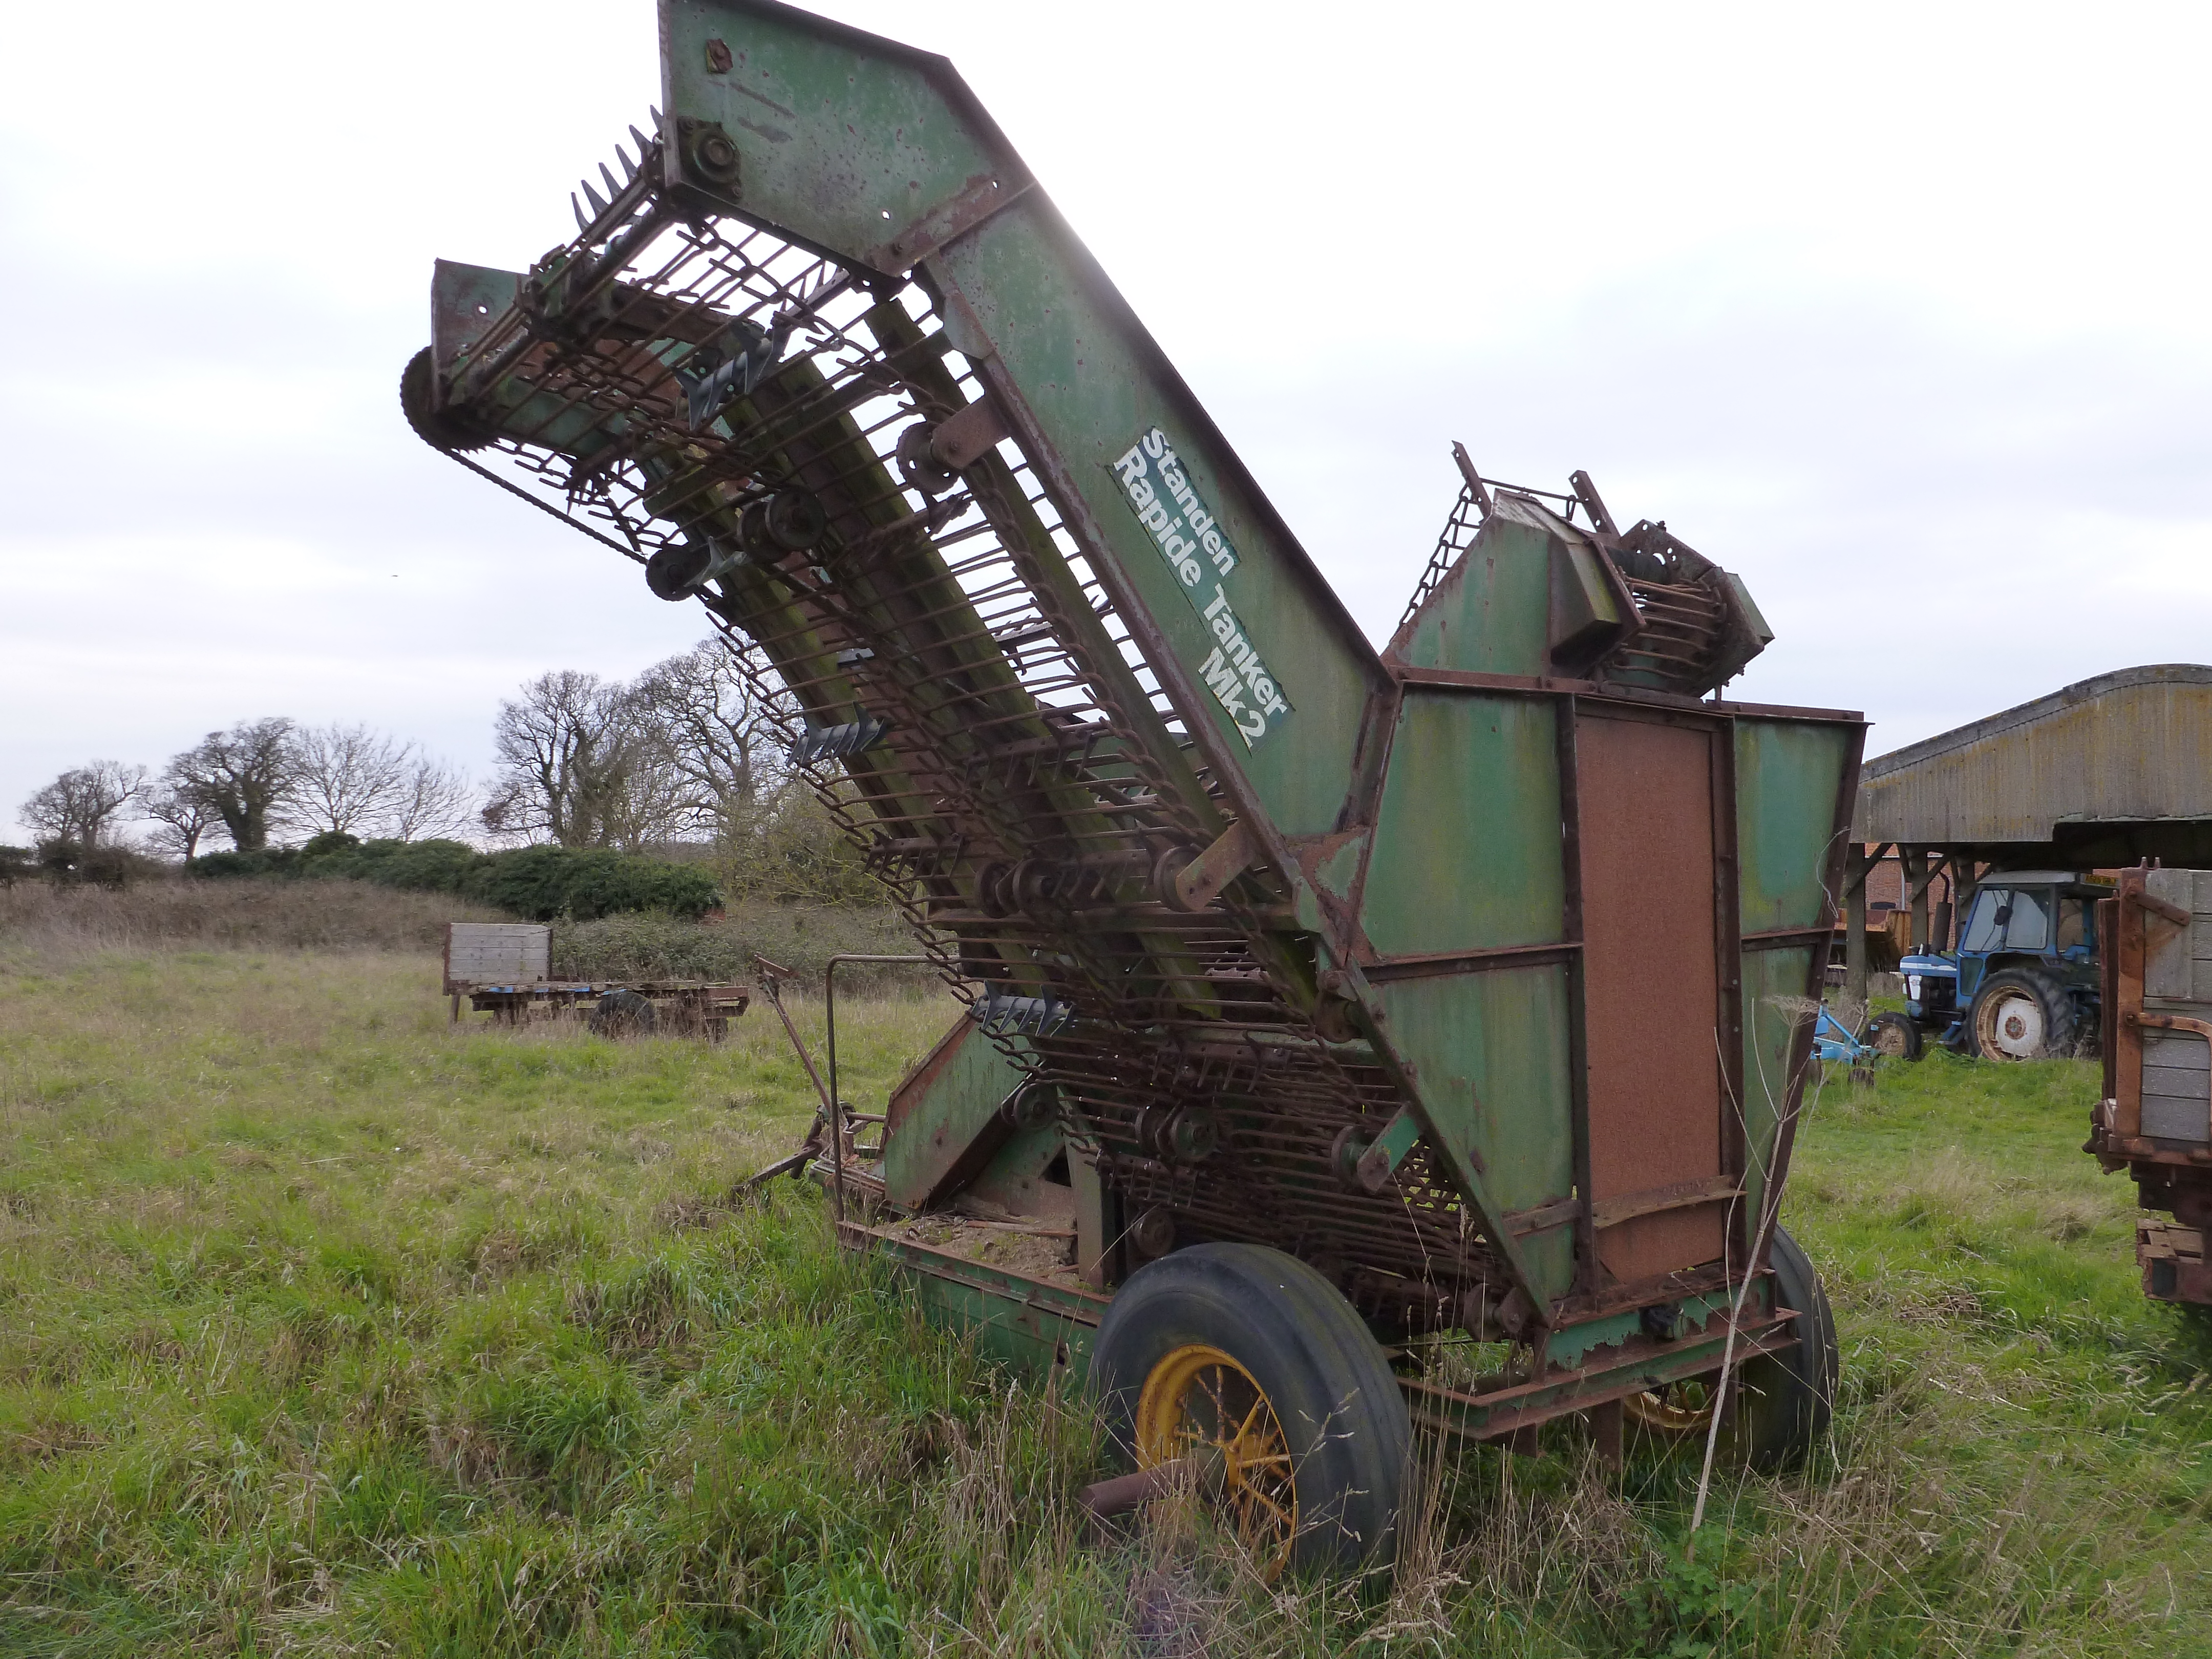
(2131, 747)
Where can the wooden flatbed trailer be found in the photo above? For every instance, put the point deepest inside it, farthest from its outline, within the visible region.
(499, 967)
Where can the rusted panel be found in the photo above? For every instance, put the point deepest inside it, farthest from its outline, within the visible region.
(2123, 1036)
(1650, 982)
(2131, 747)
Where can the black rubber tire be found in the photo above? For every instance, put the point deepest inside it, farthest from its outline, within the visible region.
(1319, 1366)
(1785, 1401)
(1895, 1035)
(623, 1014)
(2013, 984)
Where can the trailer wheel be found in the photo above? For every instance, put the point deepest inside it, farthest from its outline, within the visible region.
(1894, 1035)
(1782, 1403)
(2019, 1015)
(1786, 1400)
(1248, 1363)
(622, 1014)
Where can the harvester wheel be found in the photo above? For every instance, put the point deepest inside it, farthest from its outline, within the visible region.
(1895, 1035)
(623, 1014)
(1250, 1367)
(2018, 1015)
(1781, 1403)
(1785, 1400)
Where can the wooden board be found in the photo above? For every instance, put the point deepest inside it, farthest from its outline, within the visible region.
(496, 953)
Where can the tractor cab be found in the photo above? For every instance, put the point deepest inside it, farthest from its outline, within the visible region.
(2023, 983)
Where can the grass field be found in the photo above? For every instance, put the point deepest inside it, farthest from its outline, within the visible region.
(327, 1328)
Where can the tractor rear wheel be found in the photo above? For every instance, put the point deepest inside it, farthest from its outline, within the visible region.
(2021, 1015)
(1895, 1035)
(1250, 1367)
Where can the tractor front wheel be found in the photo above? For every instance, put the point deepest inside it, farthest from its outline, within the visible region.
(1247, 1367)
(2019, 1015)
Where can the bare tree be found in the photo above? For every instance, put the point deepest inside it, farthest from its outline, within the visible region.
(245, 775)
(433, 798)
(568, 756)
(718, 745)
(346, 779)
(81, 805)
(184, 817)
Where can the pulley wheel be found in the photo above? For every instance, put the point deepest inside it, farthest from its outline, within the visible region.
(438, 427)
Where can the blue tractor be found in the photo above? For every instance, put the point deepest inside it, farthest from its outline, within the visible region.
(2024, 982)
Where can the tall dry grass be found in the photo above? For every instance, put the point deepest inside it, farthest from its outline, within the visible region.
(327, 1328)
(41, 921)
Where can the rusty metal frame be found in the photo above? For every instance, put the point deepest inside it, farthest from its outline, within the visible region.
(1565, 722)
(1728, 967)
(829, 1042)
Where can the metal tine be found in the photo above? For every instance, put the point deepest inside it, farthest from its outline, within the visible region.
(642, 145)
(630, 168)
(608, 173)
(591, 196)
(577, 207)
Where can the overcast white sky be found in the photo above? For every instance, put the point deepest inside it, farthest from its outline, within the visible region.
(1900, 312)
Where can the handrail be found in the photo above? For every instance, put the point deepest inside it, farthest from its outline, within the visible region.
(836, 1104)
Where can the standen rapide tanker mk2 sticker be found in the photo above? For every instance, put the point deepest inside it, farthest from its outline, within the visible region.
(1192, 545)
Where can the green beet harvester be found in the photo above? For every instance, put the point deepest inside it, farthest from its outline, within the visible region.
(1350, 1041)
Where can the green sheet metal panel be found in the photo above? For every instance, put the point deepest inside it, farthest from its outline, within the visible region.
(1774, 1003)
(940, 1107)
(1467, 850)
(1015, 1178)
(876, 152)
(1095, 386)
(1787, 776)
(1006, 1321)
(844, 138)
(1491, 614)
(1491, 1053)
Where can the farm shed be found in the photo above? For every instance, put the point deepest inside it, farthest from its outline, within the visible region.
(2105, 772)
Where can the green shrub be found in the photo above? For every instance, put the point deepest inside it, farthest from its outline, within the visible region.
(647, 944)
(268, 861)
(74, 863)
(539, 883)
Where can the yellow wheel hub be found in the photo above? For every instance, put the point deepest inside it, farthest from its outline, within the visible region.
(1677, 1408)
(1199, 1404)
